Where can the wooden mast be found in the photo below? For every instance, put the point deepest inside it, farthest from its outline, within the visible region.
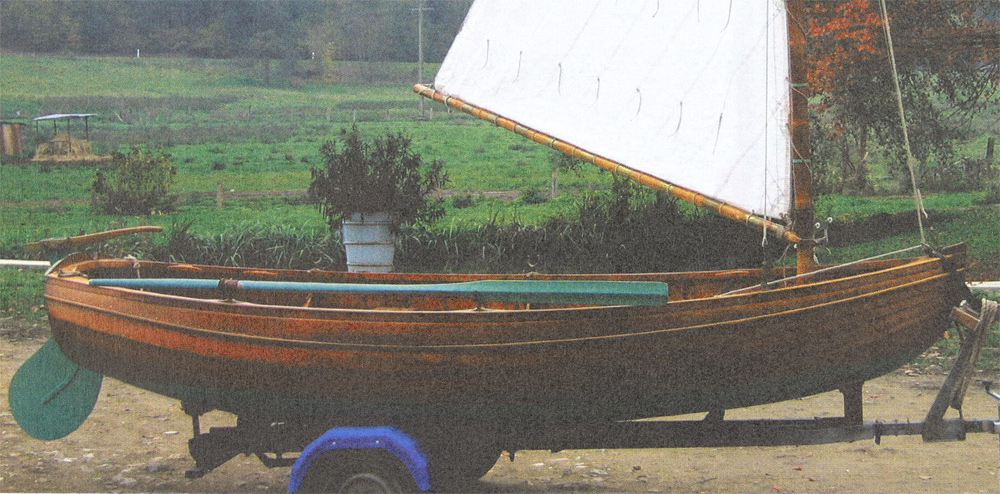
(802, 208)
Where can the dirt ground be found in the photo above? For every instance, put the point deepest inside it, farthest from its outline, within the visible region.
(136, 441)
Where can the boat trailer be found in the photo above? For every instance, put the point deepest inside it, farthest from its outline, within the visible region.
(401, 464)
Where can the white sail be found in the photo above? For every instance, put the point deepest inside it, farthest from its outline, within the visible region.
(692, 92)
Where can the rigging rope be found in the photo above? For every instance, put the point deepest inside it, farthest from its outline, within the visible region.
(823, 270)
(902, 117)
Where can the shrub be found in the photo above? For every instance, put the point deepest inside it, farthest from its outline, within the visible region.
(138, 183)
(534, 195)
(379, 176)
(462, 201)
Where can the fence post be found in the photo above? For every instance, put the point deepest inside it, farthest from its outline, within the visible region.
(218, 195)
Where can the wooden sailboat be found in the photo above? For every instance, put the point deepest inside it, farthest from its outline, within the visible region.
(276, 345)
(295, 349)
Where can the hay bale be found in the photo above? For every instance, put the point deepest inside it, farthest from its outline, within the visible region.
(64, 147)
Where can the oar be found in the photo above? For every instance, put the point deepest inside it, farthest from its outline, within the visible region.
(595, 292)
(50, 395)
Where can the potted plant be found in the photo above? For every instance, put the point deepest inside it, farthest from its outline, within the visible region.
(368, 190)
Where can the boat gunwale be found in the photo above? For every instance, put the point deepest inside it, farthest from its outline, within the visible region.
(486, 316)
(244, 337)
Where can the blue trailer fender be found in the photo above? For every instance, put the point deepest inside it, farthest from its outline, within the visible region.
(388, 438)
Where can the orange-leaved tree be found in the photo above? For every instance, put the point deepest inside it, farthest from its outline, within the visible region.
(948, 56)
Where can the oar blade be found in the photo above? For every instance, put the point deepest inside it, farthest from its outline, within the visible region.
(50, 395)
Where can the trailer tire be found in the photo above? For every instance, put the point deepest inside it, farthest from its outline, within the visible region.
(357, 471)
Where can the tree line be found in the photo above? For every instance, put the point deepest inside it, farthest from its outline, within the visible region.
(370, 30)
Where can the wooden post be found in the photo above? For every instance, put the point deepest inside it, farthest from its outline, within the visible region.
(218, 195)
(990, 145)
(802, 209)
(555, 181)
(69, 135)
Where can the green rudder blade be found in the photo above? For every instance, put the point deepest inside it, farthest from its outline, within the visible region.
(50, 395)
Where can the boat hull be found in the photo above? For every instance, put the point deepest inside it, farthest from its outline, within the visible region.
(509, 363)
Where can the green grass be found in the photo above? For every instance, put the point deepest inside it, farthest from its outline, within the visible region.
(842, 207)
(21, 294)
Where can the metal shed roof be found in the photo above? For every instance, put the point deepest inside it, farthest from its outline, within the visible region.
(57, 116)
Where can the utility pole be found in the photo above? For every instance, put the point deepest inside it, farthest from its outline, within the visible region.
(420, 50)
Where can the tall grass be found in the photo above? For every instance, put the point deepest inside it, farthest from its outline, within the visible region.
(622, 230)
(271, 246)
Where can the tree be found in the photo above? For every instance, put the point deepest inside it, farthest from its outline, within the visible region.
(941, 48)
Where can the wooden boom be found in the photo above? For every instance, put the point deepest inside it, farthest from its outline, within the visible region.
(726, 210)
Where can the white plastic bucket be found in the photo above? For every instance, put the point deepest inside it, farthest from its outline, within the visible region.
(369, 242)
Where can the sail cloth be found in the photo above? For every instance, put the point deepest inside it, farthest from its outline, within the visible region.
(692, 92)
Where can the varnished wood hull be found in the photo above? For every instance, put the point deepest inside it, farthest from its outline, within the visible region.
(389, 358)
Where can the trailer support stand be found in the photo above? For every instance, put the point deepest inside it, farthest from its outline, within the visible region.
(854, 414)
(952, 393)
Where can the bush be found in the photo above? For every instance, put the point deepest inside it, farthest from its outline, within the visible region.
(534, 196)
(138, 183)
(462, 201)
(379, 176)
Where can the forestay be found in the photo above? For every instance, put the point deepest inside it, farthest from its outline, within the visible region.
(694, 93)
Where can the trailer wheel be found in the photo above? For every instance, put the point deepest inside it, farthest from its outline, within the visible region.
(362, 483)
(357, 471)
